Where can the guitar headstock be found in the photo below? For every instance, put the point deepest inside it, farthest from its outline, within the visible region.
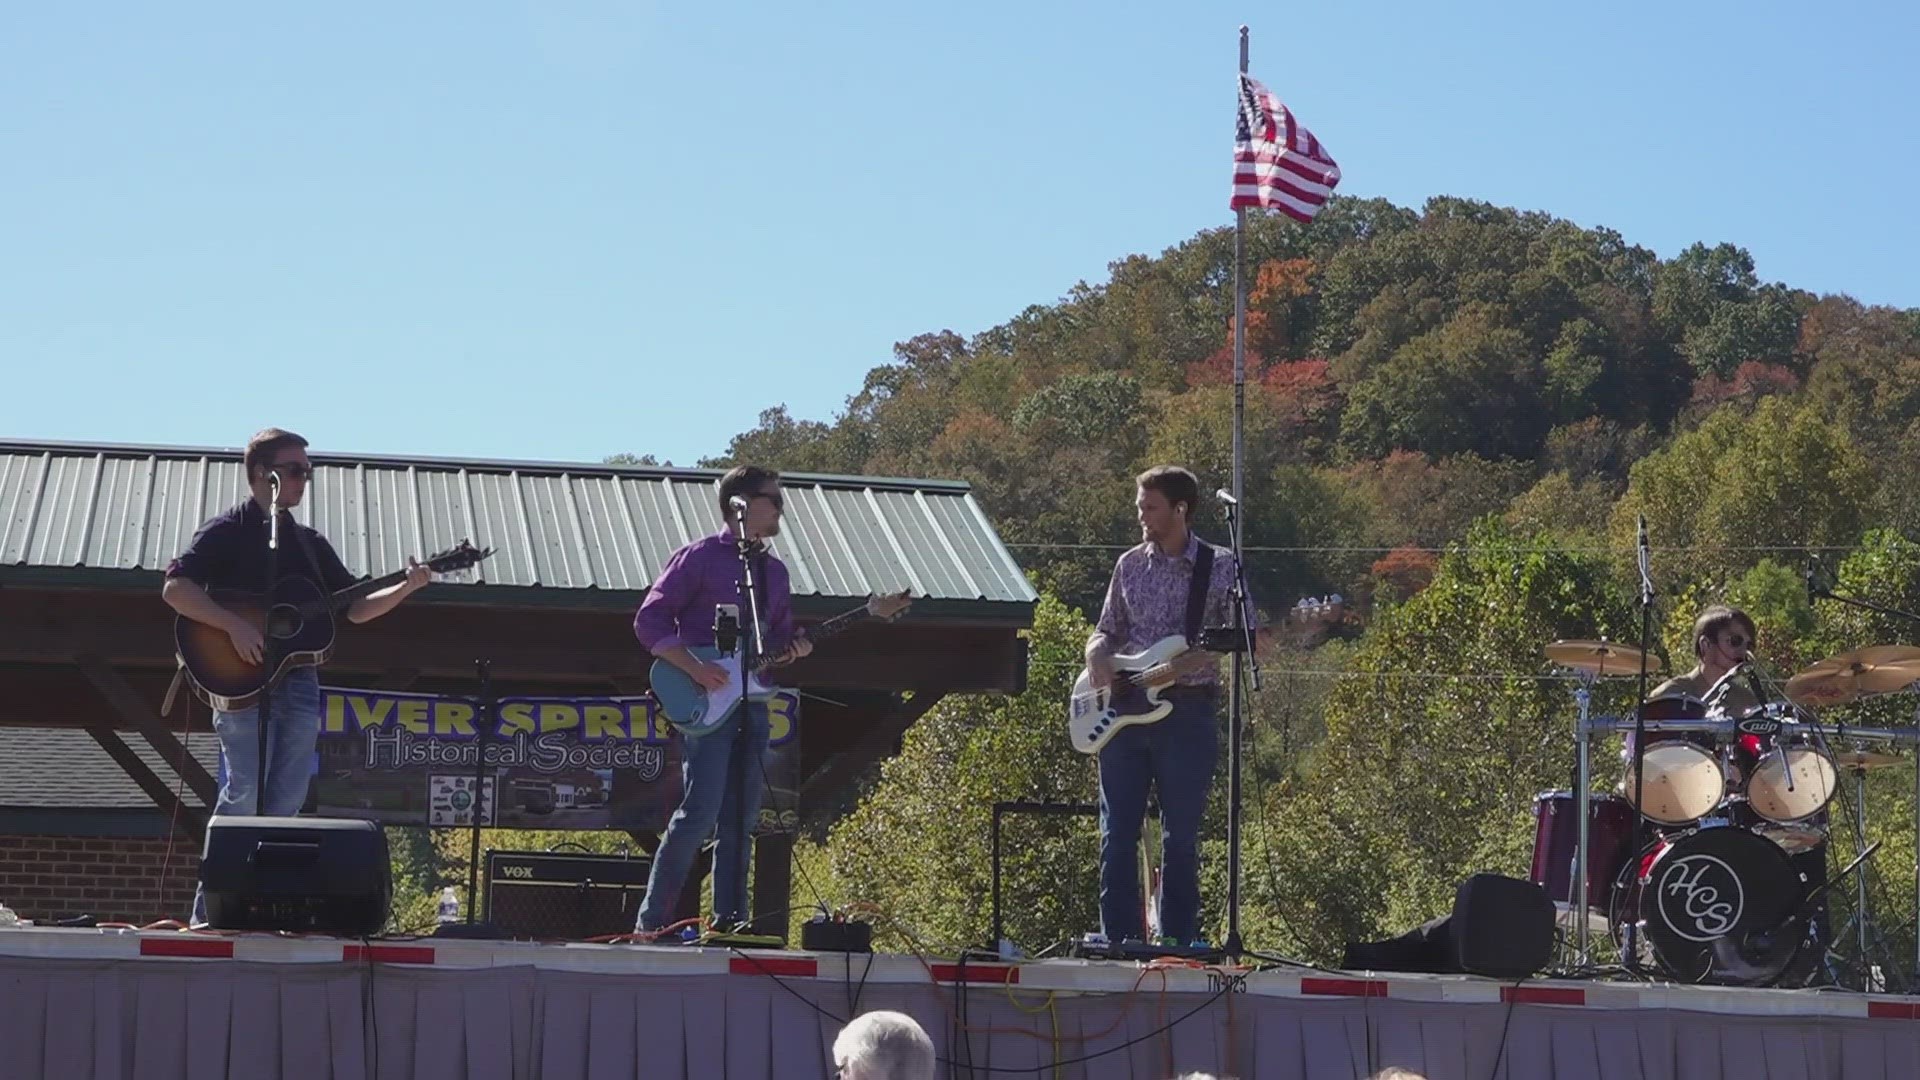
(459, 557)
(890, 607)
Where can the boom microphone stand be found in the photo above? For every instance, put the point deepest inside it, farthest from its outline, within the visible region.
(1245, 661)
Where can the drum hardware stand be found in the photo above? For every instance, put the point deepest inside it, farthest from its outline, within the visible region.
(1645, 565)
(1583, 768)
(1818, 590)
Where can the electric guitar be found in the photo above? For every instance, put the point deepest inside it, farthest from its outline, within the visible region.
(1094, 717)
(297, 621)
(696, 710)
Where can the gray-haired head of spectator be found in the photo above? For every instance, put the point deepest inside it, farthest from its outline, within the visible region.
(883, 1046)
(1395, 1072)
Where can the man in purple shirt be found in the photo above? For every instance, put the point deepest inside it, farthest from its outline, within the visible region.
(722, 774)
(1146, 601)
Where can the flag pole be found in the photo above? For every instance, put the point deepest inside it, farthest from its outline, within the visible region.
(1232, 945)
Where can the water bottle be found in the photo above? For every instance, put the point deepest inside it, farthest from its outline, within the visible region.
(7, 916)
(449, 905)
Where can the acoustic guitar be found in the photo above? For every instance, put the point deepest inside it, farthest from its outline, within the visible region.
(297, 621)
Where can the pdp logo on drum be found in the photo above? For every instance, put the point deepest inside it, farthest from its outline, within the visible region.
(1701, 898)
(1761, 725)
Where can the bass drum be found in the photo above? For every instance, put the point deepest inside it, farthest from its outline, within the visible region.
(1722, 905)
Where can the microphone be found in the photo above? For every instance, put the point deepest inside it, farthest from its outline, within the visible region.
(1226, 496)
(1813, 578)
(739, 504)
(273, 511)
(726, 627)
(1645, 563)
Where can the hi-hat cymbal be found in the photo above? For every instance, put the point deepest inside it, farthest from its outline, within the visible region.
(1865, 759)
(1600, 657)
(1876, 669)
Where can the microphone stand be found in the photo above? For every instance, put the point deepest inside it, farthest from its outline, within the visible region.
(750, 647)
(1645, 560)
(263, 715)
(1245, 664)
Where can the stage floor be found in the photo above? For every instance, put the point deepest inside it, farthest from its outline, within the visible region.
(123, 1004)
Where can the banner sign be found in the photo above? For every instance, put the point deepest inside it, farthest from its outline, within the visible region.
(542, 763)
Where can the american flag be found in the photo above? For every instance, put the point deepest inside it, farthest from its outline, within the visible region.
(1277, 164)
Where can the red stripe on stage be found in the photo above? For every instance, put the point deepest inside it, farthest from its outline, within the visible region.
(1543, 995)
(975, 973)
(1893, 1010)
(388, 954)
(211, 948)
(1371, 988)
(793, 967)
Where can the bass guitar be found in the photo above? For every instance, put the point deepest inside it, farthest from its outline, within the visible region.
(297, 621)
(1094, 717)
(696, 710)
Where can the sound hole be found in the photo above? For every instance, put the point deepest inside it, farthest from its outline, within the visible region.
(284, 621)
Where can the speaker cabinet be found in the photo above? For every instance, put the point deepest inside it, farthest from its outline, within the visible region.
(296, 873)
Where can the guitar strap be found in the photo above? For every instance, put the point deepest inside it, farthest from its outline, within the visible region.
(1197, 589)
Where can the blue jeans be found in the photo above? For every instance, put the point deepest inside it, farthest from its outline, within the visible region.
(723, 775)
(1177, 755)
(292, 730)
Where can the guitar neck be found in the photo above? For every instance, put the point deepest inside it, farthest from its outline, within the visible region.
(352, 592)
(822, 632)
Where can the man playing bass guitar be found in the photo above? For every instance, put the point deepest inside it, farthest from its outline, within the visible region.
(721, 770)
(230, 552)
(1154, 594)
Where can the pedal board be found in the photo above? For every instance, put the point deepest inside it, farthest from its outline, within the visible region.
(1095, 947)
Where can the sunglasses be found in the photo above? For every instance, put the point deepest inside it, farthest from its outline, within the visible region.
(1738, 642)
(293, 472)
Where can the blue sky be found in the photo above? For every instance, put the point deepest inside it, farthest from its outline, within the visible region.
(560, 230)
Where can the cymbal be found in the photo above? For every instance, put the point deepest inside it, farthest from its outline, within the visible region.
(1600, 657)
(1876, 669)
(1865, 759)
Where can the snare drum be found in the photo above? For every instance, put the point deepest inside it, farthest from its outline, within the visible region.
(1556, 836)
(1685, 780)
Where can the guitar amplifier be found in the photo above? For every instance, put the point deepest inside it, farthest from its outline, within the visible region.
(564, 896)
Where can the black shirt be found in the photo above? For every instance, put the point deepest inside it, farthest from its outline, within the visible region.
(230, 552)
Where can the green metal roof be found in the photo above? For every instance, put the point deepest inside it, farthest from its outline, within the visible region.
(556, 526)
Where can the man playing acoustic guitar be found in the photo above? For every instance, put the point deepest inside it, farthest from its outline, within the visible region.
(1154, 594)
(230, 552)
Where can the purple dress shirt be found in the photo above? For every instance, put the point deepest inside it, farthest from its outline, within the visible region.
(1147, 601)
(678, 609)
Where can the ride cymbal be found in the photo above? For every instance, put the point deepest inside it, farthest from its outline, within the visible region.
(1876, 669)
(1602, 658)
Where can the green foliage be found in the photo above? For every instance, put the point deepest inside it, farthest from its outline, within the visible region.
(1420, 781)
(1778, 477)
(917, 846)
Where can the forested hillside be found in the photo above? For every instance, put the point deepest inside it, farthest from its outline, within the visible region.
(1455, 416)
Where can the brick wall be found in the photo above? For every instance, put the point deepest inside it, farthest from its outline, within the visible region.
(119, 879)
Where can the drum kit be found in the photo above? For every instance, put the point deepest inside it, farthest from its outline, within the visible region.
(1712, 866)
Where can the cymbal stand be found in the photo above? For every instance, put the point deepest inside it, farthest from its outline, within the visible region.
(1582, 788)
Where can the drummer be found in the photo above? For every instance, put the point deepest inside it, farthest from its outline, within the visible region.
(1722, 636)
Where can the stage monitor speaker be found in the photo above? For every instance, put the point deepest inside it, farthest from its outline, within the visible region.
(565, 896)
(288, 873)
(1500, 927)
